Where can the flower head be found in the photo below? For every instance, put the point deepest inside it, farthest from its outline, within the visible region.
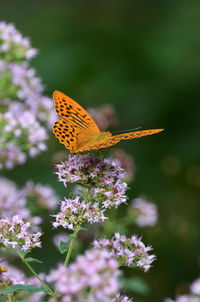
(145, 212)
(120, 298)
(76, 211)
(40, 195)
(195, 287)
(24, 112)
(93, 276)
(14, 202)
(11, 276)
(13, 46)
(128, 251)
(21, 135)
(14, 233)
(103, 177)
(184, 298)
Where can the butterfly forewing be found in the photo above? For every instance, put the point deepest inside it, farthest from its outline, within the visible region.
(73, 113)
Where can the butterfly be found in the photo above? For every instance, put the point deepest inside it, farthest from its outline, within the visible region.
(2, 269)
(78, 131)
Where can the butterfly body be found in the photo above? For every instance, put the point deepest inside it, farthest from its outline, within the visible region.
(79, 132)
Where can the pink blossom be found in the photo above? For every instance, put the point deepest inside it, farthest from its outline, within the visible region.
(14, 233)
(145, 212)
(93, 274)
(128, 251)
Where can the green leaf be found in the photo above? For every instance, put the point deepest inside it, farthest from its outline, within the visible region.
(21, 301)
(72, 236)
(83, 229)
(136, 284)
(30, 259)
(26, 287)
(63, 246)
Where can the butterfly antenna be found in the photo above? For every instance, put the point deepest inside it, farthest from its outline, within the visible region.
(134, 129)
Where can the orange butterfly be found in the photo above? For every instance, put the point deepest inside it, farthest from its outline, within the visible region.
(78, 131)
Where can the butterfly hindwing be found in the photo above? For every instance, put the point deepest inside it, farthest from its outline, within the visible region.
(66, 134)
(112, 140)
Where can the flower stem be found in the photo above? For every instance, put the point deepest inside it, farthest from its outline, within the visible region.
(49, 291)
(9, 298)
(76, 230)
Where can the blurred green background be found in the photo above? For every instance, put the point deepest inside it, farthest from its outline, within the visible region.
(143, 57)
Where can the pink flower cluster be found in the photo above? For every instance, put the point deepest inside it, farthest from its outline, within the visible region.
(13, 276)
(23, 202)
(25, 136)
(13, 46)
(25, 113)
(120, 298)
(40, 196)
(145, 212)
(92, 277)
(14, 233)
(128, 251)
(74, 211)
(184, 298)
(104, 180)
(11, 200)
(102, 176)
(27, 92)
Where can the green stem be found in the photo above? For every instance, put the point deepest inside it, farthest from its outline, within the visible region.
(9, 298)
(76, 230)
(49, 291)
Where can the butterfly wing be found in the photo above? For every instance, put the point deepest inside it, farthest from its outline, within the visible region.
(112, 140)
(76, 127)
(66, 134)
(73, 113)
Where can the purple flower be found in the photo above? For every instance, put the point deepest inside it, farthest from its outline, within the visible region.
(120, 298)
(11, 276)
(145, 212)
(103, 177)
(184, 298)
(28, 112)
(195, 287)
(40, 195)
(14, 233)
(77, 211)
(13, 202)
(93, 276)
(128, 251)
(21, 135)
(13, 46)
